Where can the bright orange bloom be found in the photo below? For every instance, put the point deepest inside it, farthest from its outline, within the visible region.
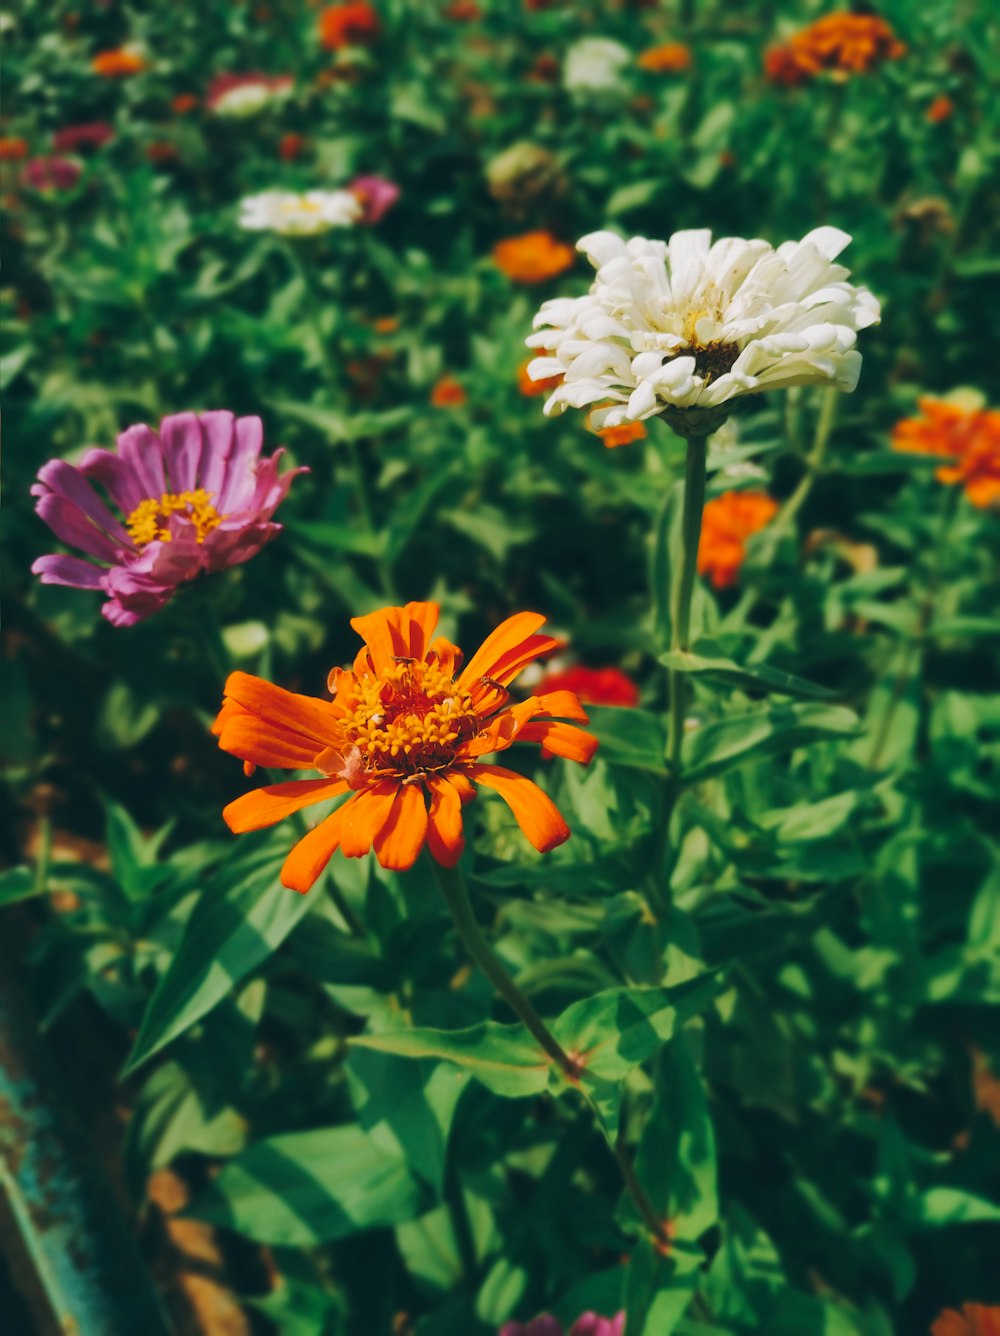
(533, 257)
(12, 149)
(529, 387)
(843, 43)
(623, 435)
(448, 393)
(727, 522)
(971, 437)
(183, 103)
(118, 64)
(348, 25)
(941, 109)
(668, 58)
(405, 734)
(973, 1320)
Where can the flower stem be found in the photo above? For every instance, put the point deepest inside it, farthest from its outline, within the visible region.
(814, 463)
(456, 897)
(683, 588)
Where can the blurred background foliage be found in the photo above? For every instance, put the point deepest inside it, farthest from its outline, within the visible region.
(848, 893)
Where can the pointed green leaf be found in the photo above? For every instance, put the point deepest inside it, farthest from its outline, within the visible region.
(632, 738)
(708, 660)
(716, 747)
(504, 1058)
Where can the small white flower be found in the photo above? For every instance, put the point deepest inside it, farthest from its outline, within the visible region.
(299, 215)
(248, 99)
(685, 324)
(593, 65)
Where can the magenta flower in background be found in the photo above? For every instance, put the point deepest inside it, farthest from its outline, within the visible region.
(193, 499)
(72, 138)
(587, 1324)
(376, 196)
(51, 173)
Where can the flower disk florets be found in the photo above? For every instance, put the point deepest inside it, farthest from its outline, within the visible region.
(686, 324)
(410, 721)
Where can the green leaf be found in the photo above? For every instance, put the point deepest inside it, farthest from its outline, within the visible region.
(504, 1058)
(242, 917)
(707, 659)
(632, 738)
(406, 1108)
(716, 747)
(17, 883)
(667, 552)
(306, 1188)
(938, 1208)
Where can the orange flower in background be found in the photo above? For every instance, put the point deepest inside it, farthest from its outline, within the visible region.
(941, 109)
(968, 435)
(668, 58)
(183, 103)
(842, 43)
(623, 435)
(13, 149)
(405, 735)
(973, 1320)
(448, 393)
(463, 11)
(118, 64)
(529, 388)
(348, 25)
(727, 522)
(533, 257)
(593, 686)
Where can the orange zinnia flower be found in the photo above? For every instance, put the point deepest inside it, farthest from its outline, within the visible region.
(970, 436)
(448, 393)
(623, 435)
(529, 387)
(406, 737)
(348, 25)
(12, 149)
(843, 43)
(183, 103)
(941, 109)
(668, 58)
(727, 522)
(973, 1320)
(533, 257)
(118, 64)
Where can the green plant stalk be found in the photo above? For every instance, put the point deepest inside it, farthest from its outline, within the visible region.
(456, 897)
(814, 462)
(683, 588)
(915, 644)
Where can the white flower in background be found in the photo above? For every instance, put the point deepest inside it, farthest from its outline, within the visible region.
(238, 96)
(593, 65)
(685, 324)
(299, 215)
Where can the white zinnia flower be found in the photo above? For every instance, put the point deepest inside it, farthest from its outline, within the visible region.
(593, 65)
(299, 215)
(247, 100)
(685, 324)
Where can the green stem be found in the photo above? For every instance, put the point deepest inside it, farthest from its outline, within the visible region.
(461, 1226)
(814, 463)
(44, 857)
(656, 1226)
(683, 588)
(915, 644)
(456, 897)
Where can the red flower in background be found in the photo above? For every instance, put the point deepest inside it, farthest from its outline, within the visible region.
(348, 25)
(595, 686)
(74, 137)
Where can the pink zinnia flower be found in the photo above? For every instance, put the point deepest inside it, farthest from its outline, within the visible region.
(51, 173)
(588, 1324)
(74, 137)
(193, 499)
(376, 196)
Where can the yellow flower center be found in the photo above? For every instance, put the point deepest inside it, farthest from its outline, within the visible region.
(148, 523)
(411, 720)
(300, 205)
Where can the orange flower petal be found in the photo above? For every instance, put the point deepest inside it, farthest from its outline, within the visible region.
(561, 739)
(263, 807)
(445, 839)
(312, 853)
(461, 784)
(253, 739)
(369, 812)
(400, 840)
(393, 633)
(562, 705)
(302, 714)
(534, 811)
(509, 635)
(503, 729)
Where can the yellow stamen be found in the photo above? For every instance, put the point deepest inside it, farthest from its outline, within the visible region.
(148, 523)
